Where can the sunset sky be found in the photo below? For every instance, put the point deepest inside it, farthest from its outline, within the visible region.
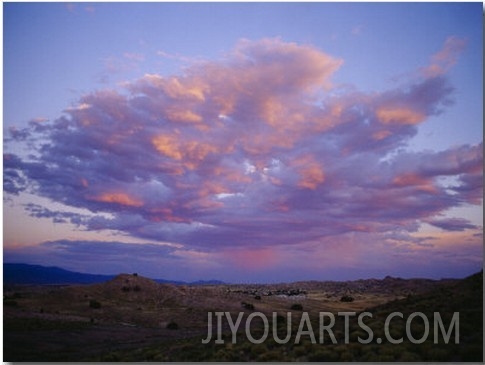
(245, 142)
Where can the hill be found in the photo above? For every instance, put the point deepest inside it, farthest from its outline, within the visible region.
(447, 297)
(42, 275)
(15, 273)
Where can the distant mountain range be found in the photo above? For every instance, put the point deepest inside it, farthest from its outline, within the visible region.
(42, 275)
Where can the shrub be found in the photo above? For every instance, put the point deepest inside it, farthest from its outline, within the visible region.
(94, 304)
(347, 298)
(259, 349)
(172, 325)
(323, 355)
(407, 356)
(10, 303)
(271, 356)
(111, 357)
(346, 357)
(299, 350)
(248, 306)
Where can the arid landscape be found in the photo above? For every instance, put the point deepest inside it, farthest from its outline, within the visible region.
(132, 318)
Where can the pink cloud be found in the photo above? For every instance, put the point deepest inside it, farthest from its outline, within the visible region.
(420, 182)
(399, 115)
(252, 259)
(117, 198)
(446, 58)
(310, 170)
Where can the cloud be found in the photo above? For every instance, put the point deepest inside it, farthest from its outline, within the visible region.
(119, 198)
(123, 64)
(452, 224)
(399, 115)
(38, 211)
(176, 57)
(446, 58)
(112, 248)
(253, 151)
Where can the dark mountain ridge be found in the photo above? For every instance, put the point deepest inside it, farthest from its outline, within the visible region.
(16, 273)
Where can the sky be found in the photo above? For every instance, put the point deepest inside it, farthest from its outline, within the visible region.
(244, 142)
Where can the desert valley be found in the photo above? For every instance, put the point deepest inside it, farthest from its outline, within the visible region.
(133, 318)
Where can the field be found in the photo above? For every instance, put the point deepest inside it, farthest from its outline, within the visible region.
(132, 318)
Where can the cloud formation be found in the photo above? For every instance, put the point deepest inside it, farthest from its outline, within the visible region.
(446, 58)
(259, 149)
(452, 224)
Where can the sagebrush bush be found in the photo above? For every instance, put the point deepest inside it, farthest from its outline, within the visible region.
(172, 325)
(94, 304)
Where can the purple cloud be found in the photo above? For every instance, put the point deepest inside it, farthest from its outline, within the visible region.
(452, 224)
(256, 150)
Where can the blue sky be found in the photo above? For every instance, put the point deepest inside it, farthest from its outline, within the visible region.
(411, 73)
(54, 52)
